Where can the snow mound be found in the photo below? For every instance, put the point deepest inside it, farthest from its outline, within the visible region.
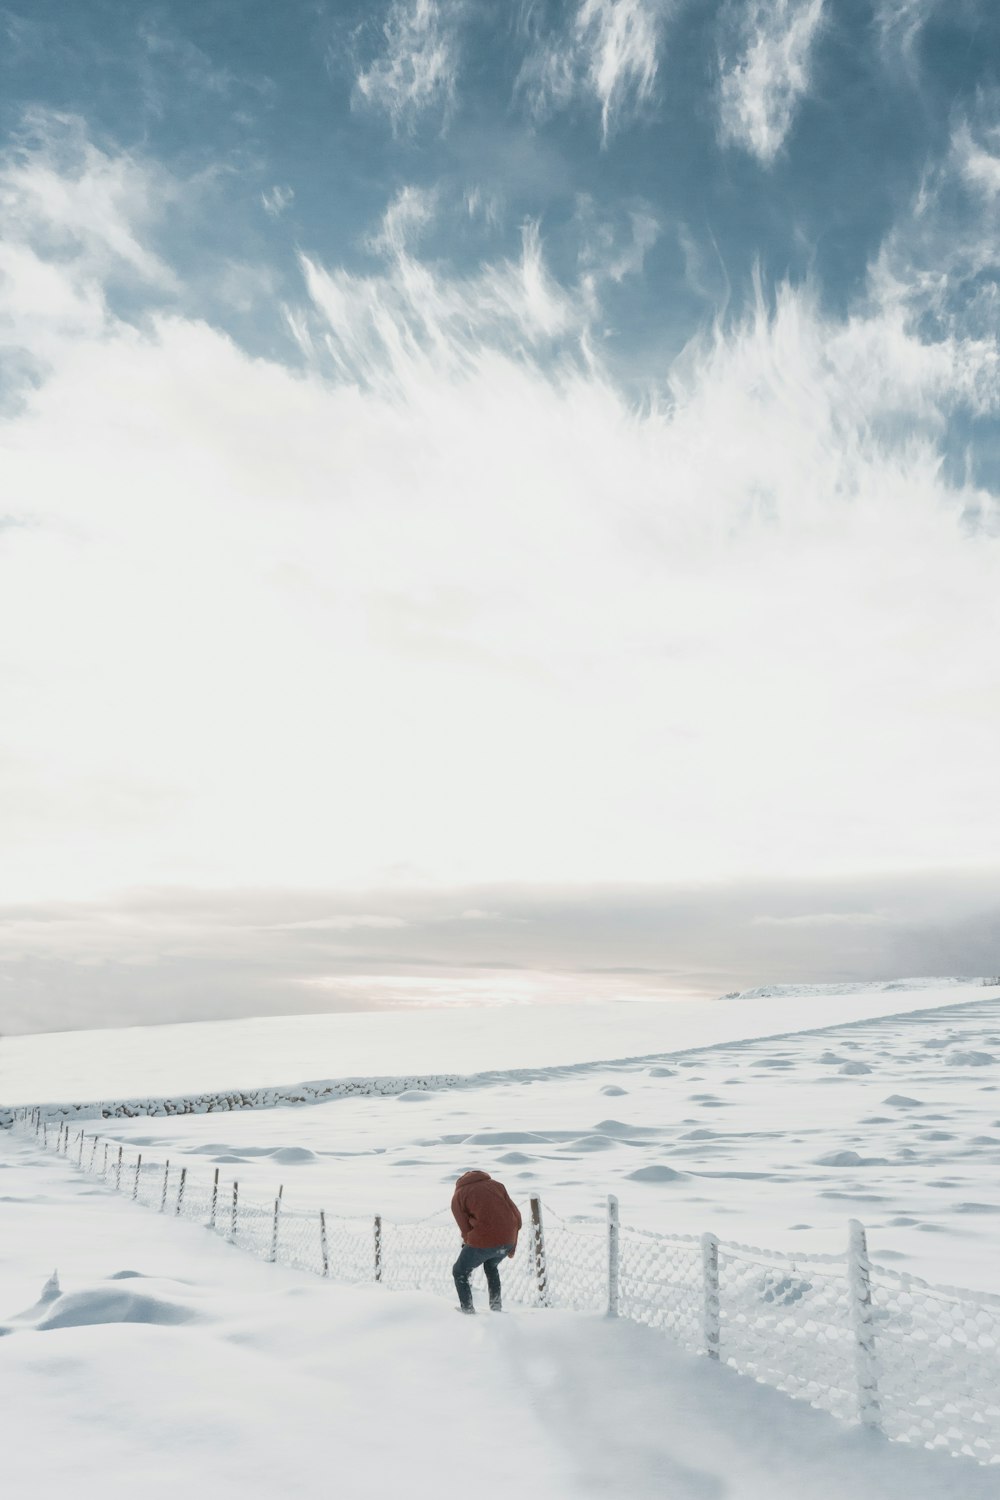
(969, 1059)
(854, 1067)
(902, 1101)
(657, 1172)
(849, 1159)
(292, 1155)
(593, 1143)
(507, 1138)
(106, 1304)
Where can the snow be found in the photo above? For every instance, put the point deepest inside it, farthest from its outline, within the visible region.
(166, 1362)
(767, 1142)
(160, 1357)
(281, 1050)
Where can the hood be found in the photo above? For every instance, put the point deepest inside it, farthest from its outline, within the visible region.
(468, 1178)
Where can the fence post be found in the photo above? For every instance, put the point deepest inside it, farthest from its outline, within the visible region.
(235, 1211)
(180, 1191)
(79, 1160)
(613, 1255)
(166, 1174)
(118, 1170)
(45, 1136)
(138, 1169)
(378, 1247)
(863, 1315)
(93, 1153)
(215, 1199)
(104, 1169)
(324, 1248)
(710, 1276)
(274, 1227)
(538, 1246)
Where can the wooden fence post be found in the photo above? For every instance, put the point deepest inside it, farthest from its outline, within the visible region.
(378, 1247)
(79, 1160)
(138, 1169)
(215, 1199)
(166, 1175)
(324, 1248)
(274, 1227)
(863, 1316)
(93, 1153)
(235, 1212)
(538, 1247)
(180, 1192)
(613, 1255)
(104, 1169)
(118, 1169)
(712, 1312)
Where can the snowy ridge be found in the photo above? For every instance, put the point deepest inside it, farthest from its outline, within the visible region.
(919, 1362)
(873, 987)
(325, 1090)
(188, 1059)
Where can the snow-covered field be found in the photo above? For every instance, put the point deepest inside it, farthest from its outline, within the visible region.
(173, 1364)
(252, 1054)
(895, 1121)
(171, 1359)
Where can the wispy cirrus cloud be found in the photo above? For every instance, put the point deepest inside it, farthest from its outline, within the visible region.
(765, 63)
(388, 652)
(65, 195)
(607, 53)
(276, 199)
(940, 266)
(899, 25)
(385, 329)
(416, 69)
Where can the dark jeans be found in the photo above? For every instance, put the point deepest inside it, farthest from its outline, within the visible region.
(469, 1257)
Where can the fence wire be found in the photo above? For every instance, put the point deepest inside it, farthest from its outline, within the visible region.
(920, 1362)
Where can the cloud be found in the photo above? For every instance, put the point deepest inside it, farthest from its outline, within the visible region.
(765, 72)
(607, 52)
(63, 195)
(977, 155)
(899, 24)
(407, 217)
(154, 956)
(939, 267)
(440, 596)
(276, 199)
(416, 71)
(612, 248)
(390, 330)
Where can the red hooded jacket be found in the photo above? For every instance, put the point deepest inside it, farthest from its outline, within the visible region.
(485, 1212)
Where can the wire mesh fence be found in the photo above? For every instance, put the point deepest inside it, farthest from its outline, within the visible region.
(920, 1363)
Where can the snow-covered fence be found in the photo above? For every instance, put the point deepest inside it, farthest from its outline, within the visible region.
(919, 1362)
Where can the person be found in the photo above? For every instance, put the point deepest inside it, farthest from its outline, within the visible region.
(489, 1221)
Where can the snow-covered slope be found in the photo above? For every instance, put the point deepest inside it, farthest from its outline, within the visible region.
(169, 1364)
(251, 1054)
(778, 1142)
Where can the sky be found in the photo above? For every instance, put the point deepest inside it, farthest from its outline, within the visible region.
(537, 461)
